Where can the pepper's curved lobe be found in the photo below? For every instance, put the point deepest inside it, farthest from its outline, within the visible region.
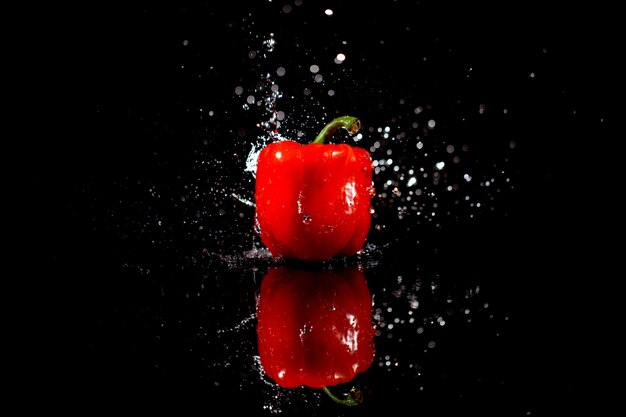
(314, 327)
(313, 201)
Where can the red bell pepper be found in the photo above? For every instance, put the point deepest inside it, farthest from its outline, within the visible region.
(313, 201)
(315, 327)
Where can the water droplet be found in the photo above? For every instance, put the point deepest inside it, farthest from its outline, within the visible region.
(270, 43)
(306, 219)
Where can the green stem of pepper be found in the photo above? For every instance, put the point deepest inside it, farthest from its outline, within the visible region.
(354, 397)
(351, 124)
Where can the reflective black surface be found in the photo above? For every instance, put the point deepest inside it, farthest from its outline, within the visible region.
(487, 293)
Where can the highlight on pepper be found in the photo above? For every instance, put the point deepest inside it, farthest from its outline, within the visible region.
(313, 200)
(315, 328)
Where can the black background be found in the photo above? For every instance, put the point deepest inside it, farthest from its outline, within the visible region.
(120, 104)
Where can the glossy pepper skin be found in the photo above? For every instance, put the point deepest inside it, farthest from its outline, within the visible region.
(314, 327)
(313, 201)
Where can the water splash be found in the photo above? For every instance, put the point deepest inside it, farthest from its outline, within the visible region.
(246, 322)
(424, 177)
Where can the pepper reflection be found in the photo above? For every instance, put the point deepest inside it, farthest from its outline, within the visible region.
(315, 327)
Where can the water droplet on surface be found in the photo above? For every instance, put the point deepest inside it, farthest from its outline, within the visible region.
(306, 219)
